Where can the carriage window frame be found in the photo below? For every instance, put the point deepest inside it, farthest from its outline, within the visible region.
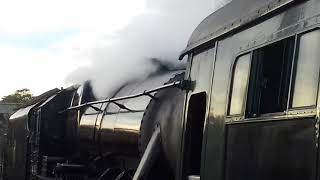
(306, 110)
(294, 74)
(245, 86)
(270, 78)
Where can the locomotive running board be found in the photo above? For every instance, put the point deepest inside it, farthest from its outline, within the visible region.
(184, 84)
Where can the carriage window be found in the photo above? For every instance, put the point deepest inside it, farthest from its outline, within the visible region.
(307, 70)
(269, 78)
(239, 85)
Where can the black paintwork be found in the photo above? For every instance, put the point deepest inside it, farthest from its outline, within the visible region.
(283, 145)
(239, 28)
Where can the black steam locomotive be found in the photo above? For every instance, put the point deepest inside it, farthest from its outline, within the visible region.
(67, 134)
(247, 108)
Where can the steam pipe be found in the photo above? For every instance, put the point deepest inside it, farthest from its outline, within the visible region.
(149, 156)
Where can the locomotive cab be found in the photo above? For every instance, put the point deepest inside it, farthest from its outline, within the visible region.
(259, 114)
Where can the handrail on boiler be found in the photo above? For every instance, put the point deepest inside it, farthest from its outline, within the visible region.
(180, 84)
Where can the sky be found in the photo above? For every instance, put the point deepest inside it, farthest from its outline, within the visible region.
(46, 44)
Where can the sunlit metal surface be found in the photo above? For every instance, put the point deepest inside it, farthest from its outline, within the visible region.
(166, 110)
(284, 142)
(17, 146)
(116, 99)
(230, 17)
(114, 128)
(150, 156)
(295, 18)
(200, 73)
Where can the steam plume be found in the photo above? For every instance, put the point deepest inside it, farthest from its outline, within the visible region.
(160, 33)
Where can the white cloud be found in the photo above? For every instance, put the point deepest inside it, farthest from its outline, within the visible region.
(38, 70)
(41, 69)
(20, 17)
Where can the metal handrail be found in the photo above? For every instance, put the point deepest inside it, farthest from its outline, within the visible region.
(113, 100)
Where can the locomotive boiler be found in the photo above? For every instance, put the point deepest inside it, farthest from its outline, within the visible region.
(63, 135)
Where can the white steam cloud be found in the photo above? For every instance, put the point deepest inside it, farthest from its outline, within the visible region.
(161, 32)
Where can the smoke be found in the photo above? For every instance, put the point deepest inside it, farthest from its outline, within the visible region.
(160, 33)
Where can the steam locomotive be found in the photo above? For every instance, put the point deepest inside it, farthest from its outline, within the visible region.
(245, 108)
(100, 140)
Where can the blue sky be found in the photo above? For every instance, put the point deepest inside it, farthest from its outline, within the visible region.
(35, 40)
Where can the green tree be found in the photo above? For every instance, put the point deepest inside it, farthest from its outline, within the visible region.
(20, 96)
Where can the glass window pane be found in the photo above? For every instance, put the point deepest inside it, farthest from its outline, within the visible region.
(270, 80)
(307, 72)
(239, 86)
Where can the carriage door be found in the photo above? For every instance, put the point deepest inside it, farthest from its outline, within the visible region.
(272, 133)
(200, 75)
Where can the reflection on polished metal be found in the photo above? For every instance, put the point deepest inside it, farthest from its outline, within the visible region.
(116, 127)
(113, 100)
(17, 144)
(193, 177)
(149, 156)
(226, 143)
(231, 31)
(237, 12)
